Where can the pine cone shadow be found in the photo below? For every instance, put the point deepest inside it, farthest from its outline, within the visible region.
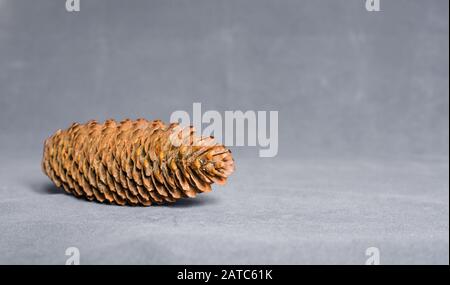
(199, 201)
(47, 189)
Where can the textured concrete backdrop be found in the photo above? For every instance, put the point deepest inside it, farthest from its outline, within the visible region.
(363, 101)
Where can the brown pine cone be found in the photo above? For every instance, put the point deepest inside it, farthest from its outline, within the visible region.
(134, 162)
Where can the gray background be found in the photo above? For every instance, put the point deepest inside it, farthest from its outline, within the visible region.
(363, 101)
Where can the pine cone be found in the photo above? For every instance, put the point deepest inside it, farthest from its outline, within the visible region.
(134, 162)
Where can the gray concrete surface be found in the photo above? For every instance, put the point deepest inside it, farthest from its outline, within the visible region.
(310, 211)
(363, 127)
